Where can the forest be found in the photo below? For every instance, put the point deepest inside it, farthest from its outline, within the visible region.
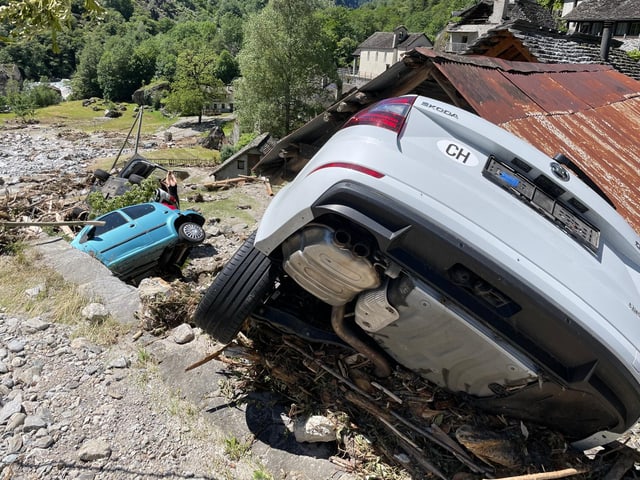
(273, 53)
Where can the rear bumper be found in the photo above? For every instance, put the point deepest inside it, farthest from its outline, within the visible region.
(585, 388)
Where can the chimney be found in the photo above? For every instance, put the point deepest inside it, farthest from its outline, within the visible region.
(499, 11)
(606, 41)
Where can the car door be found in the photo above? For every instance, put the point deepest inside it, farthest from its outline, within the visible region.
(123, 236)
(137, 244)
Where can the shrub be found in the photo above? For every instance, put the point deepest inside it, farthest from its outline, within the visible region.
(21, 104)
(227, 151)
(144, 192)
(43, 96)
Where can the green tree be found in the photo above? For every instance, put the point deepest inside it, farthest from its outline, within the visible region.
(84, 83)
(226, 68)
(121, 71)
(125, 7)
(196, 84)
(231, 32)
(28, 17)
(284, 58)
(551, 4)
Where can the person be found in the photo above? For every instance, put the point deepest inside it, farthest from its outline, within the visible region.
(167, 194)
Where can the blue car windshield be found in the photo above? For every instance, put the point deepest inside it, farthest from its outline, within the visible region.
(137, 211)
(112, 220)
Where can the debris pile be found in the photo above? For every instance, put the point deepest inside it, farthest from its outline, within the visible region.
(419, 428)
(46, 200)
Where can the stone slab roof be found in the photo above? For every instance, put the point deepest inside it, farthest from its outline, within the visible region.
(600, 10)
(384, 41)
(527, 10)
(550, 46)
(532, 12)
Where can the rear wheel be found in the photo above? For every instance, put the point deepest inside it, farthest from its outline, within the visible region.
(191, 233)
(235, 292)
(101, 175)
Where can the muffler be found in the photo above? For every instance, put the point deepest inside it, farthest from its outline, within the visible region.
(326, 264)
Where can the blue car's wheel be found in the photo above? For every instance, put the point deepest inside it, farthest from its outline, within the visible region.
(235, 292)
(191, 233)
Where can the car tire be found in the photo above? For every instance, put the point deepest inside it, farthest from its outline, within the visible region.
(135, 179)
(190, 232)
(101, 175)
(235, 293)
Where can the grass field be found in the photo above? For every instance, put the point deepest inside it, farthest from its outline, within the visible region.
(91, 118)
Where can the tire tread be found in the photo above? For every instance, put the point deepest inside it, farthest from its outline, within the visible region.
(234, 293)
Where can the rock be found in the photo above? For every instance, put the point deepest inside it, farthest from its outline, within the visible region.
(33, 423)
(35, 324)
(16, 346)
(150, 288)
(16, 420)
(14, 444)
(94, 450)
(146, 95)
(95, 312)
(35, 291)
(119, 362)
(17, 362)
(43, 442)
(239, 228)
(10, 408)
(11, 458)
(183, 334)
(315, 428)
(30, 375)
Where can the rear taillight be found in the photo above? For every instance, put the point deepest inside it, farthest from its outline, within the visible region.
(350, 166)
(390, 114)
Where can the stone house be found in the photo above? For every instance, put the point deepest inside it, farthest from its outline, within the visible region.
(381, 50)
(609, 20)
(521, 30)
(477, 20)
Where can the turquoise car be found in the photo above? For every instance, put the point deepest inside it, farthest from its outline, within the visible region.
(140, 239)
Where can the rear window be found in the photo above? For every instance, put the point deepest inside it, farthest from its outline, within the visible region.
(137, 211)
(112, 220)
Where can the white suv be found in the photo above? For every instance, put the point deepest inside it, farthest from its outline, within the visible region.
(422, 235)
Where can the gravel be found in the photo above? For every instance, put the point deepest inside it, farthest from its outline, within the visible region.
(72, 409)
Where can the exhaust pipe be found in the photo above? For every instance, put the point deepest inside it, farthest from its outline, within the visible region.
(382, 368)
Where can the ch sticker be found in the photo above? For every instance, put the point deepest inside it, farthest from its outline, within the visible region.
(458, 152)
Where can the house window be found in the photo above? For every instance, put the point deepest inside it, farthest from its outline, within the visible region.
(621, 29)
(634, 29)
(240, 164)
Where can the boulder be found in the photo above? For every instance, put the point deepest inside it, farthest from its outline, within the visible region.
(146, 94)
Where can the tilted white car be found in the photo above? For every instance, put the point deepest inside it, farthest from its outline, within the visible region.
(423, 235)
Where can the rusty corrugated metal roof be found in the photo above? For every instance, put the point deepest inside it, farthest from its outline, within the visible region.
(602, 141)
(591, 113)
